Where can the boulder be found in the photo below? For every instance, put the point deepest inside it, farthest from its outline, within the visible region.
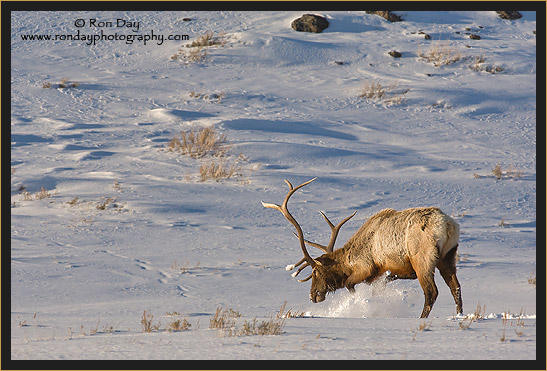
(509, 14)
(388, 15)
(310, 23)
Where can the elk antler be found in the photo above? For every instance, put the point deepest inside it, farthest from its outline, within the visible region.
(327, 249)
(335, 230)
(283, 209)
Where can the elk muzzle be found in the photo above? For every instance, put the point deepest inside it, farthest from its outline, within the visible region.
(317, 297)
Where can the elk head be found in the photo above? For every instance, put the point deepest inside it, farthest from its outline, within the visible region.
(327, 275)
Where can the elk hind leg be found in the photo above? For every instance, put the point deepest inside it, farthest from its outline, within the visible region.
(425, 271)
(447, 267)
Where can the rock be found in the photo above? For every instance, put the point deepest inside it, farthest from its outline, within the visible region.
(310, 23)
(395, 54)
(509, 14)
(386, 14)
(474, 37)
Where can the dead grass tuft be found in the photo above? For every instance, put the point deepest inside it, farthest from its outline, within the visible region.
(199, 143)
(440, 54)
(225, 320)
(42, 194)
(208, 39)
(500, 174)
(198, 49)
(218, 169)
(179, 325)
(213, 150)
(532, 279)
(480, 65)
(497, 171)
(373, 90)
(146, 322)
(479, 314)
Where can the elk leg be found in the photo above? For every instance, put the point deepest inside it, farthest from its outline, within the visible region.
(427, 282)
(425, 271)
(423, 263)
(447, 267)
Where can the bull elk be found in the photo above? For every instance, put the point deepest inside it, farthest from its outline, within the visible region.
(407, 244)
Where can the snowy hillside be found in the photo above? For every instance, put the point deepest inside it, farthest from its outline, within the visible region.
(111, 224)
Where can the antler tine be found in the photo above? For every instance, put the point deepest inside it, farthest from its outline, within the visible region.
(290, 267)
(314, 244)
(300, 269)
(285, 211)
(334, 231)
(306, 279)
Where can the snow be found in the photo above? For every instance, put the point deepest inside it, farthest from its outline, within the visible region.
(129, 227)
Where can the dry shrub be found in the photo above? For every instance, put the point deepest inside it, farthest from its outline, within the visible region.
(479, 314)
(480, 65)
(200, 142)
(532, 279)
(212, 148)
(289, 313)
(225, 320)
(43, 193)
(179, 325)
(509, 173)
(440, 54)
(196, 55)
(372, 90)
(208, 39)
(274, 326)
(500, 174)
(65, 83)
(198, 48)
(146, 322)
(513, 173)
(218, 169)
(497, 171)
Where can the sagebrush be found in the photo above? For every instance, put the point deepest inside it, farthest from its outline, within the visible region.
(440, 54)
(198, 143)
(226, 321)
(197, 50)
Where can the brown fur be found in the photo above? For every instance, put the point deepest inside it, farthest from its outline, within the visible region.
(408, 243)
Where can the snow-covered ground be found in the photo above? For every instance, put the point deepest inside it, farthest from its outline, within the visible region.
(129, 227)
